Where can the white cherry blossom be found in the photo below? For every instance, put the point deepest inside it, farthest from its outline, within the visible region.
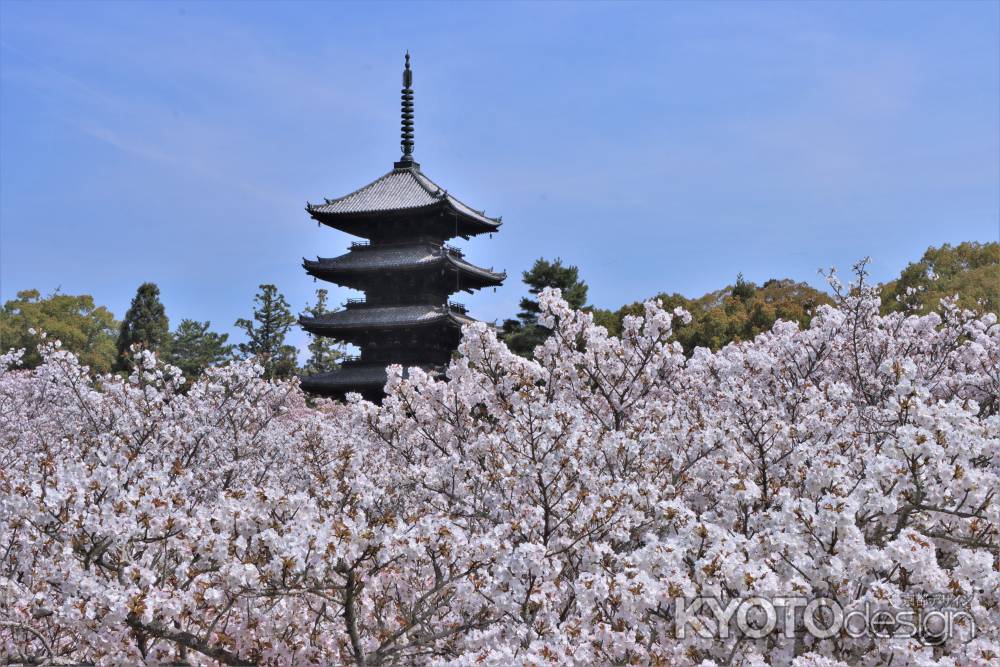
(521, 513)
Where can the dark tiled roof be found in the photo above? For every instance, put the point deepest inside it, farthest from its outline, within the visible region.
(478, 270)
(399, 190)
(355, 377)
(401, 257)
(383, 316)
(347, 378)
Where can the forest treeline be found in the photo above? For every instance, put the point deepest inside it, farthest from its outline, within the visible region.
(740, 311)
(744, 309)
(105, 344)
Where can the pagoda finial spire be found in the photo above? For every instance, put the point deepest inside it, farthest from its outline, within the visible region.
(406, 126)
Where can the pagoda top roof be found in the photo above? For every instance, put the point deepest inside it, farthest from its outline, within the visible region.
(405, 188)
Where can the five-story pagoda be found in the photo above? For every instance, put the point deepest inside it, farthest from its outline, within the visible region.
(404, 267)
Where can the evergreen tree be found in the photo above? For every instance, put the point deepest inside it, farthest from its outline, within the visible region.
(272, 318)
(324, 353)
(145, 325)
(193, 348)
(743, 290)
(524, 334)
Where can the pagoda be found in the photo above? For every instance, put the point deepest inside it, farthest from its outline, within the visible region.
(405, 268)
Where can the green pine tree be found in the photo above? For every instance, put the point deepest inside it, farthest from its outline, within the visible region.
(272, 318)
(524, 334)
(743, 290)
(145, 325)
(193, 348)
(324, 353)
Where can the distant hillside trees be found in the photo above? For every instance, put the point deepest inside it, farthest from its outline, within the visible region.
(969, 270)
(740, 311)
(737, 312)
(86, 330)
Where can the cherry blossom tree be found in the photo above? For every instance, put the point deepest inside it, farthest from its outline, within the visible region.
(546, 511)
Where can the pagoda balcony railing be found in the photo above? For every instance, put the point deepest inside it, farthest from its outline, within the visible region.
(351, 304)
(357, 360)
(413, 299)
(447, 247)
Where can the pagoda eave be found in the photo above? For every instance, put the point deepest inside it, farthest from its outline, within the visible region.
(360, 223)
(357, 273)
(344, 322)
(365, 379)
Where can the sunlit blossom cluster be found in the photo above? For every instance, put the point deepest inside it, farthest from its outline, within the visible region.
(523, 512)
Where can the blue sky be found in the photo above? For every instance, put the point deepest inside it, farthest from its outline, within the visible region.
(661, 147)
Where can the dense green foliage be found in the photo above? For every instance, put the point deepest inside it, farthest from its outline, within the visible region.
(324, 353)
(193, 348)
(272, 318)
(969, 270)
(83, 329)
(523, 334)
(145, 325)
(736, 312)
